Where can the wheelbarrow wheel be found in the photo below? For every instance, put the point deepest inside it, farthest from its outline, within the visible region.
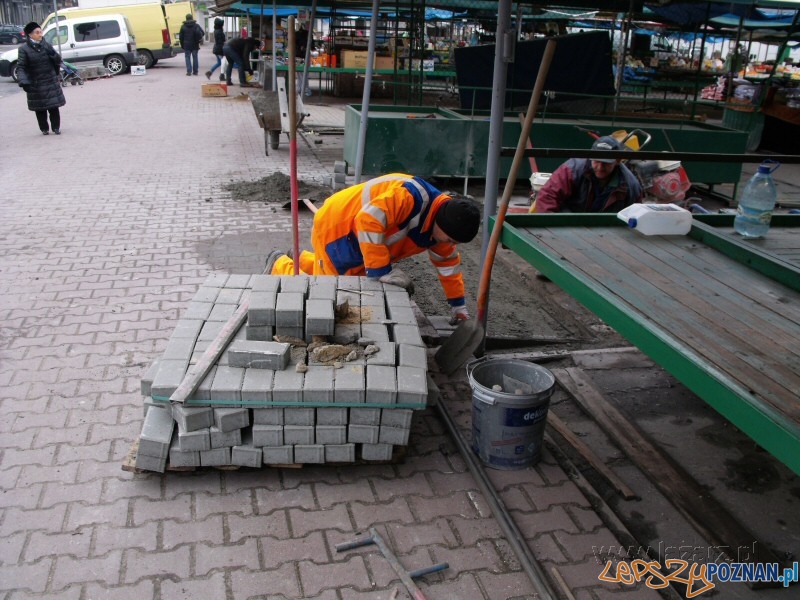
(274, 139)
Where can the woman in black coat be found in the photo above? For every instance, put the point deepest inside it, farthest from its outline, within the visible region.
(219, 42)
(37, 74)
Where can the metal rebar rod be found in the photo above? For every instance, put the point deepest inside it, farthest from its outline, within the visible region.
(514, 536)
(412, 588)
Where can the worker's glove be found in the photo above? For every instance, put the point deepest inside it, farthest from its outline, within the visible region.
(398, 278)
(458, 314)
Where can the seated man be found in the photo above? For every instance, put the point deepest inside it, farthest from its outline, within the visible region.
(584, 185)
(366, 228)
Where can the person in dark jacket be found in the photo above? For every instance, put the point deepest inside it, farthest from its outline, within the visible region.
(37, 74)
(219, 42)
(238, 52)
(584, 185)
(190, 36)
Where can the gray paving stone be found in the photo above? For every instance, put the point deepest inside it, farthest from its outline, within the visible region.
(203, 392)
(375, 332)
(216, 457)
(407, 334)
(396, 417)
(349, 282)
(376, 452)
(402, 314)
(363, 434)
(338, 453)
(178, 349)
(295, 284)
(318, 384)
(188, 328)
(206, 294)
(210, 330)
(221, 312)
(298, 434)
(287, 386)
(365, 416)
(258, 355)
(246, 454)
(216, 279)
(412, 356)
(346, 333)
(192, 418)
(349, 384)
(381, 384)
(331, 434)
(385, 356)
(320, 319)
(412, 386)
(198, 310)
(298, 332)
(260, 334)
(323, 287)
(229, 419)
(352, 299)
(299, 416)
(372, 299)
(169, 376)
(332, 415)
(257, 385)
(151, 463)
(397, 299)
(261, 310)
(267, 435)
(289, 310)
(265, 283)
(268, 416)
(370, 284)
(309, 454)
(397, 436)
(227, 384)
(177, 458)
(238, 280)
(224, 439)
(192, 441)
(147, 380)
(278, 455)
(148, 403)
(373, 313)
(156, 434)
(229, 295)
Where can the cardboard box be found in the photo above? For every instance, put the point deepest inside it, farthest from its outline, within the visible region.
(384, 62)
(138, 70)
(354, 59)
(214, 90)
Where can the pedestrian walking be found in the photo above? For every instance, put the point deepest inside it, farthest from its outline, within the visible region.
(219, 42)
(37, 73)
(190, 36)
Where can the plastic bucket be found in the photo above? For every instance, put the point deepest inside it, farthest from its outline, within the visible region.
(509, 411)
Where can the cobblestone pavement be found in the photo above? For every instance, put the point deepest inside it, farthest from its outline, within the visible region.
(107, 230)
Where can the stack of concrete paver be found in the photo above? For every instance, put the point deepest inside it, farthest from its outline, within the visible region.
(325, 370)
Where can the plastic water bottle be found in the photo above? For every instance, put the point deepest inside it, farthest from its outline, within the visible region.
(657, 219)
(757, 202)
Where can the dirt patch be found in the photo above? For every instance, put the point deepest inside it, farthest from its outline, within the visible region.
(275, 188)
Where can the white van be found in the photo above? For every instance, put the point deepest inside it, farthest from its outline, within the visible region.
(106, 39)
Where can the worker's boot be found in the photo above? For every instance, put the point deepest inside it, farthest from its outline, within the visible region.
(272, 257)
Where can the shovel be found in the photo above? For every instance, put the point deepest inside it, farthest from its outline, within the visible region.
(307, 202)
(456, 349)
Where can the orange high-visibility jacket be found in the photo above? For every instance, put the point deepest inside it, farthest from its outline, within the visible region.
(367, 227)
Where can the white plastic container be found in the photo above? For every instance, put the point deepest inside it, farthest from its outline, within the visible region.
(657, 219)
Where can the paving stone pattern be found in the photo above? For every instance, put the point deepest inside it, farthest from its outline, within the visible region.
(107, 232)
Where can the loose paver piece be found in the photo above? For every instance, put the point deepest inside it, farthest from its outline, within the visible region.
(320, 318)
(224, 439)
(258, 355)
(156, 433)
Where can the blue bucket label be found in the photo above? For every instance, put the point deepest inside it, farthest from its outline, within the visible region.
(524, 417)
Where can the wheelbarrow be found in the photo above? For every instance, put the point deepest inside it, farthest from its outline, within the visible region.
(272, 112)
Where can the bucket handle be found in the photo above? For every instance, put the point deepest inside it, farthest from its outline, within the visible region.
(471, 364)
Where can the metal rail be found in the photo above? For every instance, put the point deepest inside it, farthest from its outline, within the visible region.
(652, 155)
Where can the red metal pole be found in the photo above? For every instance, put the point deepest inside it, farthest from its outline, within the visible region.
(293, 148)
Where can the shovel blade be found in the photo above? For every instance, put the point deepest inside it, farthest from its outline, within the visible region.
(459, 347)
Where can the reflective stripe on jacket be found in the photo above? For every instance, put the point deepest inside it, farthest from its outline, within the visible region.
(367, 227)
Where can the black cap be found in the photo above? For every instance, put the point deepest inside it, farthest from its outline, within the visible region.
(606, 143)
(28, 29)
(459, 219)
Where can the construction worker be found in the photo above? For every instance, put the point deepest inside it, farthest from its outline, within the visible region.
(365, 228)
(584, 185)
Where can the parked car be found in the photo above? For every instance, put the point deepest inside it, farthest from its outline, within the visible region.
(12, 34)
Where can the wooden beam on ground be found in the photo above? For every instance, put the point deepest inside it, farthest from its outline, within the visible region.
(704, 512)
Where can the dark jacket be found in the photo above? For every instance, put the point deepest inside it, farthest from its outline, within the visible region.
(190, 35)
(243, 47)
(573, 187)
(37, 74)
(219, 40)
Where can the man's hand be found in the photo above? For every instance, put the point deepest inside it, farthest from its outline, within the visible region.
(398, 278)
(458, 314)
